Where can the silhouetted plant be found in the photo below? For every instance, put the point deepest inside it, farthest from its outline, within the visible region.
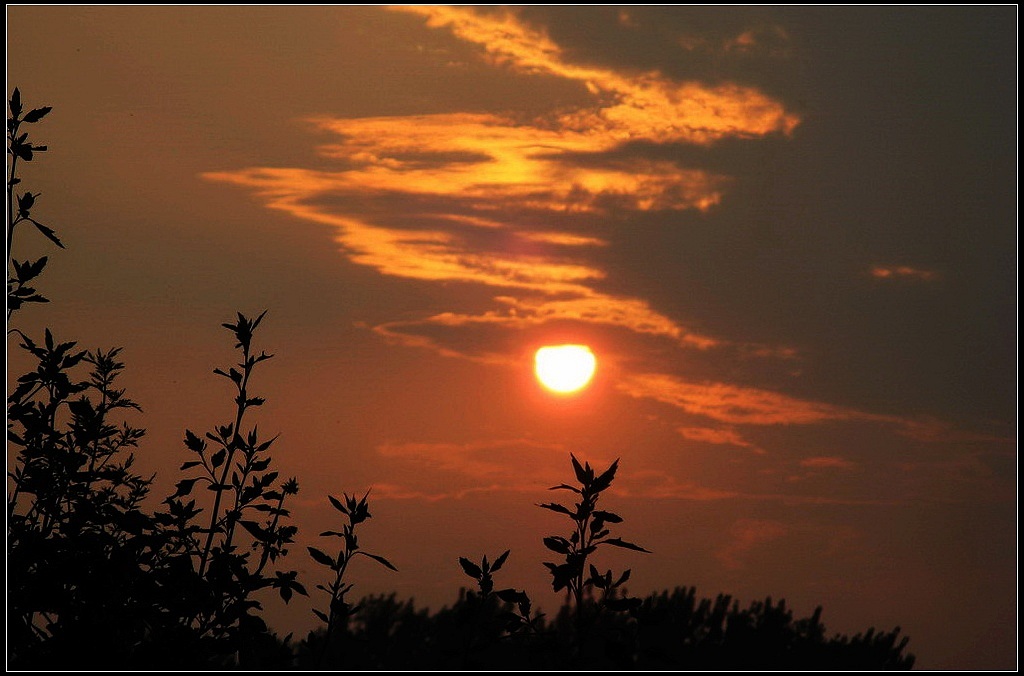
(218, 574)
(77, 538)
(20, 148)
(486, 621)
(520, 616)
(76, 544)
(339, 610)
(589, 532)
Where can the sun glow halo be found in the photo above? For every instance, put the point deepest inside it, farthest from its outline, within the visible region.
(565, 368)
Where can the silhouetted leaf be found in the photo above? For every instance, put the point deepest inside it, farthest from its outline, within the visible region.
(37, 114)
(217, 459)
(500, 561)
(321, 615)
(561, 575)
(581, 475)
(557, 544)
(25, 202)
(379, 559)
(607, 516)
(338, 505)
(15, 103)
(256, 530)
(566, 487)
(320, 557)
(625, 545)
(22, 150)
(190, 463)
(471, 568)
(259, 465)
(194, 443)
(49, 233)
(184, 487)
(555, 507)
(512, 596)
(602, 482)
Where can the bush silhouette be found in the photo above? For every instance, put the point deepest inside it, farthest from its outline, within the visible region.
(99, 579)
(78, 553)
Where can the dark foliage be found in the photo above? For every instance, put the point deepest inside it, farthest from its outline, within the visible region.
(668, 631)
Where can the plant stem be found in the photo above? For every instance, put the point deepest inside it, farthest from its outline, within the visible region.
(247, 369)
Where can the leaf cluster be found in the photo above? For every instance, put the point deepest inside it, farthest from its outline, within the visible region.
(20, 205)
(518, 616)
(339, 610)
(590, 530)
(246, 526)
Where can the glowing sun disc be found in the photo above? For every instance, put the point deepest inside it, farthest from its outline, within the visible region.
(565, 368)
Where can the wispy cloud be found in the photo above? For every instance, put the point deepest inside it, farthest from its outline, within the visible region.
(734, 404)
(746, 536)
(640, 105)
(765, 40)
(507, 201)
(444, 470)
(770, 39)
(656, 484)
(903, 272)
(718, 436)
(827, 462)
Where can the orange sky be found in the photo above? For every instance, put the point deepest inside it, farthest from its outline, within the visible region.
(788, 235)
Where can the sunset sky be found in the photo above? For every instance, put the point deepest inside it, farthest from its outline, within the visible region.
(788, 235)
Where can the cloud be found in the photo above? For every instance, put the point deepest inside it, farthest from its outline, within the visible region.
(932, 430)
(734, 404)
(656, 484)
(903, 272)
(717, 436)
(442, 470)
(509, 201)
(827, 462)
(747, 535)
(640, 105)
(769, 40)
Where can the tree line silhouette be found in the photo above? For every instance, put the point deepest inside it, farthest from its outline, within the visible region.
(100, 578)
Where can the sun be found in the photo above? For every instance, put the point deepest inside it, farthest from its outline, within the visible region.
(565, 368)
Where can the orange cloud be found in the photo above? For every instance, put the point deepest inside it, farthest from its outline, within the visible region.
(457, 197)
(735, 405)
(903, 272)
(932, 430)
(827, 462)
(594, 308)
(771, 40)
(654, 484)
(642, 105)
(492, 159)
(455, 470)
(713, 435)
(748, 535)
(562, 239)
